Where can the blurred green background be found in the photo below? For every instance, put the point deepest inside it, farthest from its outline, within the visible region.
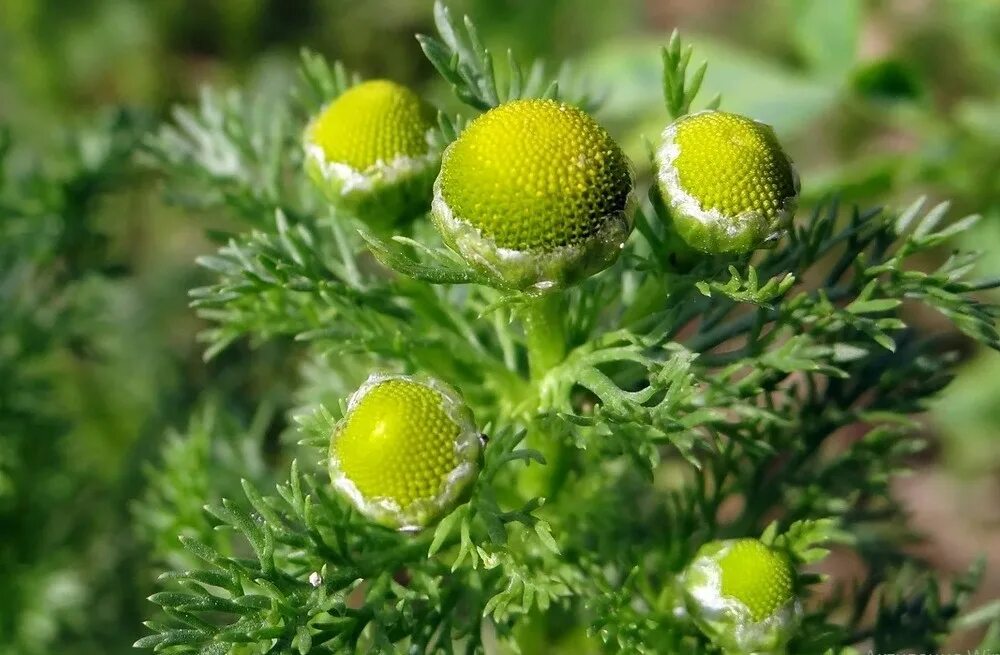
(879, 101)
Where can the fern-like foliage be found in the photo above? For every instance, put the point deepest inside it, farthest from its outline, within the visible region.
(697, 399)
(463, 61)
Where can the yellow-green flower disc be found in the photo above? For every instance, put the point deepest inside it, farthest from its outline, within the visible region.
(729, 185)
(405, 451)
(759, 577)
(535, 193)
(368, 151)
(741, 593)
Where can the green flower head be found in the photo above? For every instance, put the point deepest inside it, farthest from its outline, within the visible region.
(729, 185)
(406, 450)
(368, 151)
(741, 593)
(535, 193)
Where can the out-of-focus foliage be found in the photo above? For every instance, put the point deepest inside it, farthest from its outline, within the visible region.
(57, 333)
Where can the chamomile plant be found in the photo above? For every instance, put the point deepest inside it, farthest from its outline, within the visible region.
(368, 150)
(571, 443)
(534, 194)
(728, 184)
(741, 594)
(405, 451)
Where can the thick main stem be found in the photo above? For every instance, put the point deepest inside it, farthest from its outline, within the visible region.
(544, 331)
(544, 325)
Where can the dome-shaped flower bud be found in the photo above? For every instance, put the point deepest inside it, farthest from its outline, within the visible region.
(741, 594)
(729, 185)
(534, 193)
(406, 450)
(368, 151)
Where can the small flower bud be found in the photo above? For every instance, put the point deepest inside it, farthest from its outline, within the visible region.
(741, 594)
(368, 152)
(534, 193)
(406, 450)
(729, 185)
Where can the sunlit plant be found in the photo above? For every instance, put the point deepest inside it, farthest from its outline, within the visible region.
(542, 411)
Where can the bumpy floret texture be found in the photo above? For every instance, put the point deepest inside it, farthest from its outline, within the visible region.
(374, 121)
(757, 576)
(733, 164)
(398, 443)
(535, 175)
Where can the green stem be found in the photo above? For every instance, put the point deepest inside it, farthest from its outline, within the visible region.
(544, 331)
(543, 319)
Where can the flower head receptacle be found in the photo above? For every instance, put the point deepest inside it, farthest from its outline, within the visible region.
(535, 194)
(369, 152)
(406, 451)
(728, 184)
(741, 594)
